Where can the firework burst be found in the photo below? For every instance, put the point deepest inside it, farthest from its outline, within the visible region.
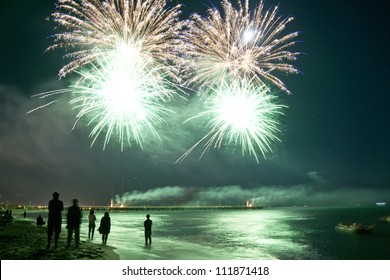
(107, 25)
(127, 55)
(240, 113)
(239, 44)
(119, 95)
(124, 53)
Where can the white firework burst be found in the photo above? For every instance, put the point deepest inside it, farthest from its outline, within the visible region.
(109, 24)
(239, 43)
(240, 113)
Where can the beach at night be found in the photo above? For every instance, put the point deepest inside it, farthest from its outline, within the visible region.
(255, 133)
(299, 233)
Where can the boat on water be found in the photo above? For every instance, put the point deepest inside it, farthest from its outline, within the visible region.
(355, 227)
(385, 218)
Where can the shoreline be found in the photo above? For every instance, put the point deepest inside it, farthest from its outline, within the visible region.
(23, 240)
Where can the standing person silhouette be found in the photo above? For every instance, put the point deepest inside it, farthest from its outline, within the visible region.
(148, 230)
(91, 224)
(105, 227)
(54, 221)
(73, 222)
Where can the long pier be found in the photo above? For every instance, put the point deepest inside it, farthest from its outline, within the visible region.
(167, 207)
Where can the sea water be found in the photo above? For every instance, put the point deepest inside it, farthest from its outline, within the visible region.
(271, 233)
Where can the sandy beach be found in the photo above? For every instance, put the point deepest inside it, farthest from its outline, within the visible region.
(23, 240)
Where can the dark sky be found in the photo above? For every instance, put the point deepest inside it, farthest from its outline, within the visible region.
(335, 142)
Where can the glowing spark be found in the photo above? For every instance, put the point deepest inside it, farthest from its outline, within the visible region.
(249, 35)
(239, 44)
(240, 113)
(110, 24)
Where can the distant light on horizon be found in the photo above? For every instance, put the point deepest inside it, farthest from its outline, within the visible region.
(381, 203)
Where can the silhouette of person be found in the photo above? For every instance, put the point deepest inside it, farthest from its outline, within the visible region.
(24, 214)
(55, 219)
(148, 230)
(40, 221)
(105, 227)
(73, 219)
(8, 216)
(91, 225)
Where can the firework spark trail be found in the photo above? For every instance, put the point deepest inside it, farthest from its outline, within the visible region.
(240, 113)
(240, 44)
(87, 24)
(47, 94)
(40, 107)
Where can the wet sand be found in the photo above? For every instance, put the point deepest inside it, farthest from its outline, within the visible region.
(23, 240)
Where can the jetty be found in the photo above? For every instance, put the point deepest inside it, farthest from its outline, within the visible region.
(169, 207)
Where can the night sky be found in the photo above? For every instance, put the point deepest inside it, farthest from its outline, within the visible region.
(335, 147)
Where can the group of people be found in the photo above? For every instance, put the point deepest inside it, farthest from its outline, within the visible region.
(104, 228)
(74, 219)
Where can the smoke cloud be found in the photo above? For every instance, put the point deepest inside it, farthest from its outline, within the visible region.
(155, 196)
(318, 192)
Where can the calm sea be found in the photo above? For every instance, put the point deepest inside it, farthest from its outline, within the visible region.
(272, 233)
